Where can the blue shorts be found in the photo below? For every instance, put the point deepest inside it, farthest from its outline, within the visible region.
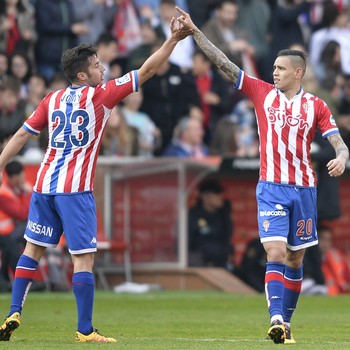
(74, 214)
(287, 213)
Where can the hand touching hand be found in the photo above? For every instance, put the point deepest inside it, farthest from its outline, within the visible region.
(178, 31)
(185, 19)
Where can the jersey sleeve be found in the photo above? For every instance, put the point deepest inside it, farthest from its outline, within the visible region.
(252, 87)
(115, 90)
(38, 120)
(326, 122)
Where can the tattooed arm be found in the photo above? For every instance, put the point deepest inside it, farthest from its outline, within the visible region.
(214, 54)
(336, 166)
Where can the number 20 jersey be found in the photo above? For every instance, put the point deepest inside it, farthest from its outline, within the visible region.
(76, 119)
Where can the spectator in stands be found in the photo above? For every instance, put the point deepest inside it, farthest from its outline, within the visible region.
(210, 227)
(254, 18)
(213, 91)
(141, 52)
(126, 27)
(253, 265)
(344, 111)
(20, 68)
(149, 136)
(246, 134)
(335, 264)
(120, 139)
(329, 63)
(12, 109)
(334, 27)
(285, 27)
(17, 27)
(224, 141)
(4, 65)
(314, 281)
(107, 50)
(168, 96)
(182, 54)
(200, 10)
(15, 196)
(57, 31)
(37, 90)
(223, 31)
(95, 15)
(309, 80)
(188, 140)
(58, 82)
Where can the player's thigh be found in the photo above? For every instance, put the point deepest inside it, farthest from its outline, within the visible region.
(44, 225)
(303, 220)
(273, 212)
(78, 215)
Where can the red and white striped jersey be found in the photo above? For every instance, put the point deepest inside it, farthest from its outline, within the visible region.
(76, 119)
(286, 129)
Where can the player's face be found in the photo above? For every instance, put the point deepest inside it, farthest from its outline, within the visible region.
(95, 71)
(284, 74)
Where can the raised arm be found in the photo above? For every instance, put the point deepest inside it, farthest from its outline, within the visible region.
(151, 65)
(214, 54)
(336, 166)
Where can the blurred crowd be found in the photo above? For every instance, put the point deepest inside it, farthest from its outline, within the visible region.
(189, 108)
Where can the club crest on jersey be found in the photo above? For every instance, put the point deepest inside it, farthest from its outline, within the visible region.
(305, 106)
(123, 80)
(266, 225)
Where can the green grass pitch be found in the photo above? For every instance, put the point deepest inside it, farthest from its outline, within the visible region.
(172, 320)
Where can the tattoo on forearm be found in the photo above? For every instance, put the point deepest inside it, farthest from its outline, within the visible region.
(339, 146)
(216, 56)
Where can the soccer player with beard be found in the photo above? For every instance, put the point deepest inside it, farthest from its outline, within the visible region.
(287, 119)
(62, 199)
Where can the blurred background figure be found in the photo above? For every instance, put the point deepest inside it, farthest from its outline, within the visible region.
(210, 228)
(12, 109)
(188, 140)
(223, 31)
(15, 195)
(168, 96)
(287, 26)
(95, 15)
(334, 26)
(343, 119)
(57, 31)
(20, 69)
(17, 27)
(213, 93)
(149, 136)
(253, 265)
(4, 65)
(107, 52)
(335, 264)
(120, 139)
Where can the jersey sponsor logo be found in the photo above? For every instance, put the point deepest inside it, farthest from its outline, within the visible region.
(332, 120)
(278, 212)
(123, 80)
(277, 115)
(39, 228)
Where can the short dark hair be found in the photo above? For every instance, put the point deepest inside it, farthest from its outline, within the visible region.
(77, 60)
(299, 56)
(13, 168)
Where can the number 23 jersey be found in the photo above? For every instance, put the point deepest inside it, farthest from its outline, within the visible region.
(76, 118)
